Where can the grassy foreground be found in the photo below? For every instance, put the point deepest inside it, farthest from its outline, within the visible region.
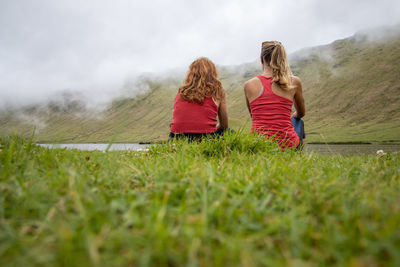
(238, 201)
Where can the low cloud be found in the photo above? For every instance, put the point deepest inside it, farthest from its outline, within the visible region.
(100, 48)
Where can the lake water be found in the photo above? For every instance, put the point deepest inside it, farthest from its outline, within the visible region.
(101, 147)
(344, 149)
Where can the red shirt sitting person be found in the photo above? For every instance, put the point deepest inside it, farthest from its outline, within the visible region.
(270, 97)
(200, 101)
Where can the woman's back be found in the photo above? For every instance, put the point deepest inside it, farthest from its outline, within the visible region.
(193, 117)
(271, 114)
(199, 102)
(270, 97)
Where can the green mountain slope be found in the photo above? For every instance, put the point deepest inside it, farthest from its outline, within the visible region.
(354, 93)
(351, 90)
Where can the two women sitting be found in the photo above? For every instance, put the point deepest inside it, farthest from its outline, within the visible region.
(269, 97)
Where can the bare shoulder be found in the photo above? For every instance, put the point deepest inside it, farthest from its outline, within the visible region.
(252, 80)
(252, 84)
(296, 81)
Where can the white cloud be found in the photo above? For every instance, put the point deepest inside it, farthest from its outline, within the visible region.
(46, 45)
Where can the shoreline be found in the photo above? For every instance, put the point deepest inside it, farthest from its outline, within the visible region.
(163, 141)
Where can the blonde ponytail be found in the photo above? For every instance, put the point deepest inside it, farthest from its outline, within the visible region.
(274, 55)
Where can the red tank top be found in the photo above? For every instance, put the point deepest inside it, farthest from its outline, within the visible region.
(192, 117)
(271, 116)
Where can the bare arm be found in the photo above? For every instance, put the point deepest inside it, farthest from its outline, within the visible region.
(298, 99)
(223, 115)
(251, 91)
(248, 105)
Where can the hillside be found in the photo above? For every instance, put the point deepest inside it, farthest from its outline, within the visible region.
(350, 86)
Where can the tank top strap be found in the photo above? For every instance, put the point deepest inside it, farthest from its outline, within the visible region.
(266, 83)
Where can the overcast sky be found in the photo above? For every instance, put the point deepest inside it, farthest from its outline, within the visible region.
(94, 46)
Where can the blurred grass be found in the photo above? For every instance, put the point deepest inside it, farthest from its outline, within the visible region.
(238, 201)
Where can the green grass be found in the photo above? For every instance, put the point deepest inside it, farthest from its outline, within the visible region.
(238, 201)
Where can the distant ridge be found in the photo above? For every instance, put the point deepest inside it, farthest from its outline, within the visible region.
(351, 89)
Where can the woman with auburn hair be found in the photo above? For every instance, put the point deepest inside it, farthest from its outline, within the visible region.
(270, 97)
(199, 102)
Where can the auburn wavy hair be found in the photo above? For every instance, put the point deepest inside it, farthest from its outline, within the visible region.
(201, 81)
(274, 55)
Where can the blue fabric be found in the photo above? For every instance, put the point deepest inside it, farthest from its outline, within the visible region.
(298, 126)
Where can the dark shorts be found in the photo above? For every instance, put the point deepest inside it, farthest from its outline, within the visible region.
(298, 126)
(197, 136)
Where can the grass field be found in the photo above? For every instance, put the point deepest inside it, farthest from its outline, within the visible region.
(238, 201)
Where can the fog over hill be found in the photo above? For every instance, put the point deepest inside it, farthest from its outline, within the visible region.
(96, 47)
(351, 90)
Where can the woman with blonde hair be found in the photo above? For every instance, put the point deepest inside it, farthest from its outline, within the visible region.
(270, 97)
(199, 102)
